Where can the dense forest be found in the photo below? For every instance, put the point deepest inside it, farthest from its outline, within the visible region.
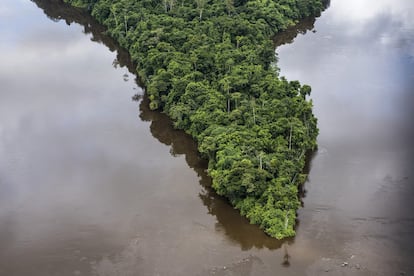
(210, 66)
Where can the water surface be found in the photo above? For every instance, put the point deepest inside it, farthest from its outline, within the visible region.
(359, 60)
(93, 183)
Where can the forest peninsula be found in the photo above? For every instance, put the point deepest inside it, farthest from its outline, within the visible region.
(210, 66)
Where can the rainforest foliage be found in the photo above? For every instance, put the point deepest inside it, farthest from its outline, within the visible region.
(210, 65)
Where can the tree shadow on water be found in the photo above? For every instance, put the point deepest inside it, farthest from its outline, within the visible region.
(302, 27)
(229, 220)
(57, 10)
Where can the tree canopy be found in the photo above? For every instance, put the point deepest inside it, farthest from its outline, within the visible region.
(210, 65)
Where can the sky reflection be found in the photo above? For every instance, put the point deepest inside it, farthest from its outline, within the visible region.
(85, 185)
(360, 65)
(360, 58)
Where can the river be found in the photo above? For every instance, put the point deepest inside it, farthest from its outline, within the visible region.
(93, 183)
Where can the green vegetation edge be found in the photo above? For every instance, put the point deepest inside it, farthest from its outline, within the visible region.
(210, 65)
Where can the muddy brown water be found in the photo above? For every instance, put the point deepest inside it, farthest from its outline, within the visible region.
(93, 183)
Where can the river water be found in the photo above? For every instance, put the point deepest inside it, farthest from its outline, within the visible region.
(93, 183)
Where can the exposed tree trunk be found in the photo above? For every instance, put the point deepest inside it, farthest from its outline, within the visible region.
(293, 179)
(201, 14)
(116, 19)
(286, 221)
(301, 154)
(260, 162)
(254, 114)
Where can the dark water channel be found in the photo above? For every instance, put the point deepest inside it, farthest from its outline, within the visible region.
(93, 183)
